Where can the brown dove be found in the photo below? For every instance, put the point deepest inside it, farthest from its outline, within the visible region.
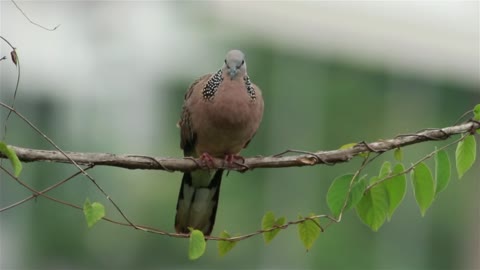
(221, 113)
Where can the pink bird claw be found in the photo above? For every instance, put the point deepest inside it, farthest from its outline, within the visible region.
(207, 160)
(231, 159)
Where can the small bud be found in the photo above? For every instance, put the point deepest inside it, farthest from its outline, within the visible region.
(13, 54)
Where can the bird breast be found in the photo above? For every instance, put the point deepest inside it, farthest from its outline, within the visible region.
(228, 121)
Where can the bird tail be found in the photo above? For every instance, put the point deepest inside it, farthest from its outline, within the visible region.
(197, 201)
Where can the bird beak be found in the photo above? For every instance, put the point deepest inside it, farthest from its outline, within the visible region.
(232, 72)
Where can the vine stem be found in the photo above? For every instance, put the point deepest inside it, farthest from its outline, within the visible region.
(416, 163)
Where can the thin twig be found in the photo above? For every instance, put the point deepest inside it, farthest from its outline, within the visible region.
(462, 116)
(416, 163)
(70, 160)
(32, 22)
(42, 194)
(154, 230)
(276, 227)
(17, 64)
(36, 194)
(355, 176)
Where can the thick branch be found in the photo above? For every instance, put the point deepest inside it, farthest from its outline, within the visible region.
(277, 161)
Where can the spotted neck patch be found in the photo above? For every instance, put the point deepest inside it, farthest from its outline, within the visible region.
(212, 85)
(214, 82)
(250, 89)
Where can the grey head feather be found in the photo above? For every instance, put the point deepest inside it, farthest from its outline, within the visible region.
(235, 64)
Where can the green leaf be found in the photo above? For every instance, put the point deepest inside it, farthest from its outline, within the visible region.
(423, 186)
(197, 244)
(476, 112)
(398, 154)
(308, 232)
(351, 145)
(465, 155)
(225, 246)
(93, 212)
(396, 188)
(12, 156)
(372, 208)
(268, 222)
(442, 171)
(385, 170)
(337, 193)
(347, 146)
(357, 192)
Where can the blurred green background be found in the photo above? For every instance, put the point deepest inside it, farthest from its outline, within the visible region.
(112, 79)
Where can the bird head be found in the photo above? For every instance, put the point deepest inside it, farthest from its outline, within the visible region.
(235, 64)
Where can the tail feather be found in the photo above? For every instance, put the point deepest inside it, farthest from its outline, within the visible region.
(197, 201)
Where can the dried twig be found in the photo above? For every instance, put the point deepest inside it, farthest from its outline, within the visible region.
(70, 160)
(31, 21)
(183, 164)
(16, 61)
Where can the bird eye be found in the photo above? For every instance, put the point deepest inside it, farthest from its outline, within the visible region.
(241, 64)
(226, 63)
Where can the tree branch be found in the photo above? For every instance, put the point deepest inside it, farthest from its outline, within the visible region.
(276, 161)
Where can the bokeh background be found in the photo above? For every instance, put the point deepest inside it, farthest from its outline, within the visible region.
(112, 77)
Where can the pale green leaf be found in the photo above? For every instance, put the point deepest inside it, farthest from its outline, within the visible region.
(347, 146)
(357, 192)
(268, 222)
(225, 246)
(12, 156)
(398, 154)
(372, 208)
(337, 193)
(308, 232)
(442, 171)
(93, 212)
(423, 186)
(465, 155)
(476, 112)
(396, 188)
(373, 179)
(385, 169)
(351, 145)
(197, 245)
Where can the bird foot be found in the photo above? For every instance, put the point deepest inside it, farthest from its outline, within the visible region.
(232, 159)
(207, 160)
